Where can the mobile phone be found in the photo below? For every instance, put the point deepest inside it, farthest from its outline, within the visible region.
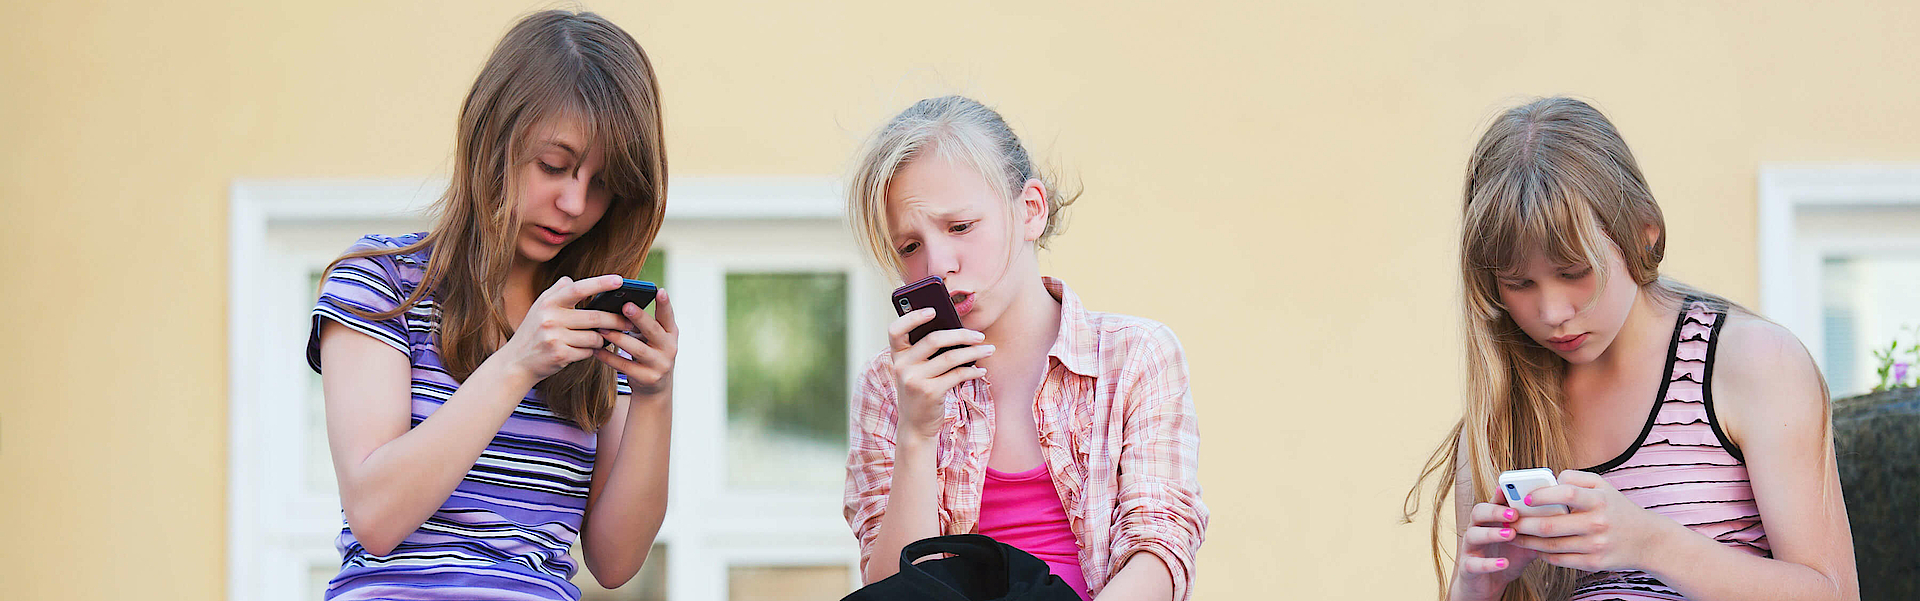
(929, 292)
(638, 292)
(1517, 484)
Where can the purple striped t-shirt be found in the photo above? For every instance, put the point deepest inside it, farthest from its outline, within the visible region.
(504, 532)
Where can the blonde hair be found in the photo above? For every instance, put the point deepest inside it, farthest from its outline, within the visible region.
(956, 128)
(1552, 176)
(550, 64)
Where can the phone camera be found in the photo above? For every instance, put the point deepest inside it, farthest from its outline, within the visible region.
(905, 305)
(1513, 493)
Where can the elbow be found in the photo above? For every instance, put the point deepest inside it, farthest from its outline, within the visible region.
(377, 534)
(613, 581)
(613, 573)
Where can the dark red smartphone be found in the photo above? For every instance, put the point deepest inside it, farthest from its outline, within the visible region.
(929, 292)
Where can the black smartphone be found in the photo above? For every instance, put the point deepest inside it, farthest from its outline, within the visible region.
(929, 292)
(638, 292)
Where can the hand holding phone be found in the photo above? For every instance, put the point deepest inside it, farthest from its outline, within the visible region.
(922, 375)
(638, 292)
(1515, 485)
(928, 292)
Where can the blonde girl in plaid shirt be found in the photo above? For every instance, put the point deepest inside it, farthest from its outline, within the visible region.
(1100, 400)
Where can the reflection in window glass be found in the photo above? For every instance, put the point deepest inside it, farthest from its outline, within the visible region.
(655, 269)
(757, 583)
(786, 379)
(1866, 300)
(648, 585)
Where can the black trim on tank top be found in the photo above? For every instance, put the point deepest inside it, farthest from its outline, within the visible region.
(1706, 388)
(1660, 398)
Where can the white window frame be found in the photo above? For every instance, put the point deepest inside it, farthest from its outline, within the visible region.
(1790, 271)
(708, 528)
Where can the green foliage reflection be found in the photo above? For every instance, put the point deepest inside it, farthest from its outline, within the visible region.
(787, 353)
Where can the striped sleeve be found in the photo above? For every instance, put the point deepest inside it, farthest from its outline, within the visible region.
(357, 287)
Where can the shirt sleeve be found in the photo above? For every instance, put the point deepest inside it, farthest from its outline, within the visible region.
(870, 433)
(1160, 511)
(356, 288)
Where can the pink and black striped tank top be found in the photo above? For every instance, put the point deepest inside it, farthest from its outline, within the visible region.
(1683, 466)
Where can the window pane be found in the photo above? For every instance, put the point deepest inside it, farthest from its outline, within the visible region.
(1866, 301)
(786, 379)
(648, 585)
(754, 583)
(655, 270)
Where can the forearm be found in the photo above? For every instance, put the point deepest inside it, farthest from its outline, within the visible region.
(390, 493)
(911, 505)
(1705, 570)
(626, 516)
(1144, 578)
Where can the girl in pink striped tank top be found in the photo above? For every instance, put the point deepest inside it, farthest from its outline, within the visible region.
(1699, 430)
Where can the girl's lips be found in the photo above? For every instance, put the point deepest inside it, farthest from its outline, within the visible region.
(1567, 344)
(550, 235)
(962, 302)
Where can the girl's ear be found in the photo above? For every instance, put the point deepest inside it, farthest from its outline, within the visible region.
(1650, 235)
(1033, 210)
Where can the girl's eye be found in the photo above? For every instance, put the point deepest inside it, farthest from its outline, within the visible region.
(909, 248)
(1516, 284)
(960, 227)
(1575, 275)
(550, 169)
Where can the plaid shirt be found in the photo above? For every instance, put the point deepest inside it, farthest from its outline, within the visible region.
(1117, 430)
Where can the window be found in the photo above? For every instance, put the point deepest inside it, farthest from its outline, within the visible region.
(1840, 263)
(778, 311)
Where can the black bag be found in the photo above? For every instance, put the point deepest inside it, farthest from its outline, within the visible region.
(981, 569)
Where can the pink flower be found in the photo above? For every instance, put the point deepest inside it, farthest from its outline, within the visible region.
(1900, 372)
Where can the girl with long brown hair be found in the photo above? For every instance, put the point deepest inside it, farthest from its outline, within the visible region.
(472, 437)
(1693, 434)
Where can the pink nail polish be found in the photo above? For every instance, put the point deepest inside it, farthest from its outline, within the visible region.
(1506, 533)
(1509, 515)
(1528, 500)
(1500, 563)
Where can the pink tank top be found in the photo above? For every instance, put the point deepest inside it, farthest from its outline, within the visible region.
(1683, 467)
(1023, 510)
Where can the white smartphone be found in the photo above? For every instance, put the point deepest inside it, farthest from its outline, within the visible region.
(1517, 484)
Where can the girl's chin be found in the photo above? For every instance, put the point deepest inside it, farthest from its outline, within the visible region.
(537, 252)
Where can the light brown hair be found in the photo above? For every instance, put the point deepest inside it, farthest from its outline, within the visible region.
(1551, 176)
(551, 64)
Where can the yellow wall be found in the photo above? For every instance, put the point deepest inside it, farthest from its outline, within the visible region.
(1277, 183)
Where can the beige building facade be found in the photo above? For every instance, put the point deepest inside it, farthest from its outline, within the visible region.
(1276, 181)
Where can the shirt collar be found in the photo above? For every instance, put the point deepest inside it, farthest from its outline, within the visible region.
(1077, 345)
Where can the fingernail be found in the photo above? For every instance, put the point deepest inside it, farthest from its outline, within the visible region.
(1506, 533)
(1500, 563)
(989, 348)
(1528, 500)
